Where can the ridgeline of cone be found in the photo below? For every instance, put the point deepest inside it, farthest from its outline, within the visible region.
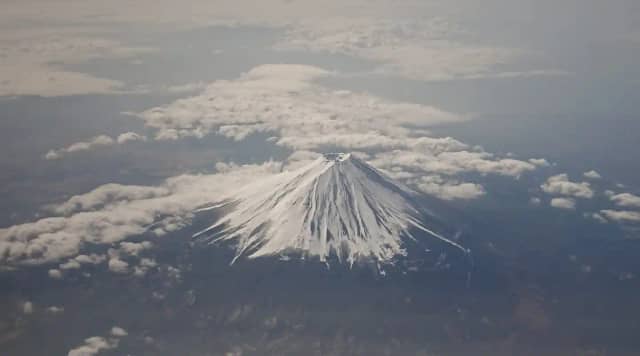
(338, 205)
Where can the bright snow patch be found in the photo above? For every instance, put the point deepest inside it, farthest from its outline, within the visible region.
(337, 205)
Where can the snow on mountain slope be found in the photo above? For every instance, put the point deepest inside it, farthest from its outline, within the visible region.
(337, 205)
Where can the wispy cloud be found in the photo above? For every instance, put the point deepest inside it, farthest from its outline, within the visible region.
(33, 62)
(432, 49)
(94, 142)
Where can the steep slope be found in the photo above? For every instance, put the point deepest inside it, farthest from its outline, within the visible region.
(336, 206)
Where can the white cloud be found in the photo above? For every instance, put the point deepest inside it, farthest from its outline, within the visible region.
(52, 154)
(174, 273)
(597, 217)
(485, 163)
(118, 331)
(93, 259)
(76, 263)
(592, 174)
(71, 264)
(134, 248)
(350, 141)
(129, 137)
(535, 201)
(27, 307)
(101, 140)
(621, 216)
(107, 196)
(53, 238)
(94, 142)
(300, 114)
(560, 185)
(442, 189)
(96, 344)
(117, 265)
(93, 346)
(55, 273)
(144, 266)
(55, 309)
(284, 100)
(425, 161)
(626, 200)
(563, 203)
(281, 99)
(540, 162)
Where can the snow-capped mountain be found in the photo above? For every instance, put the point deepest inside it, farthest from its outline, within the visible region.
(338, 206)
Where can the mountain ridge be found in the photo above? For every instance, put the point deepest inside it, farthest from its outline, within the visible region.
(338, 205)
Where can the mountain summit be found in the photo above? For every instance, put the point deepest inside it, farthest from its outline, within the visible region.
(338, 205)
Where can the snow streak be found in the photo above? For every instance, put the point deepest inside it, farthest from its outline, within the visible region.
(337, 205)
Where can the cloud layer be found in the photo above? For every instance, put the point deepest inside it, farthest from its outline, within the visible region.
(119, 216)
(286, 103)
(33, 62)
(94, 142)
(417, 39)
(431, 49)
